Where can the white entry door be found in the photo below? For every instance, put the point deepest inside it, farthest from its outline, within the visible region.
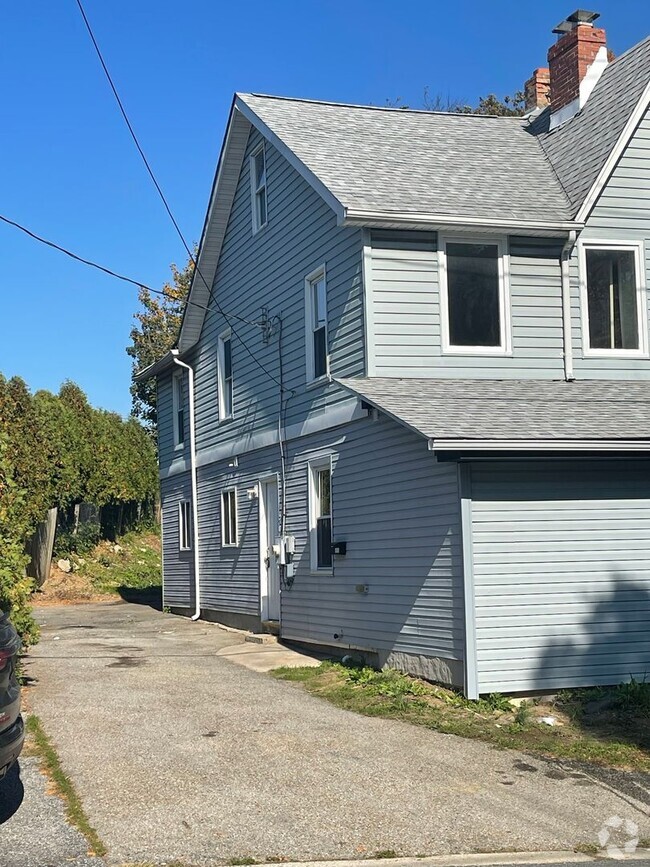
(269, 571)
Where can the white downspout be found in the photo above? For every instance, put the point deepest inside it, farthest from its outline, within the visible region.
(566, 305)
(195, 505)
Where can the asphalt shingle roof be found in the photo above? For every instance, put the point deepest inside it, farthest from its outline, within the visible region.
(579, 148)
(527, 410)
(419, 162)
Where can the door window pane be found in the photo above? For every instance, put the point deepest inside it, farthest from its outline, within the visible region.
(473, 294)
(612, 299)
(323, 519)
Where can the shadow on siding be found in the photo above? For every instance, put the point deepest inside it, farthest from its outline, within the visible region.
(609, 647)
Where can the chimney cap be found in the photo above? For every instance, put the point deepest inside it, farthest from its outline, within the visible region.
(580, 16)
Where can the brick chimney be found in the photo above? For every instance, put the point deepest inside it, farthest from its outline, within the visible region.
(537, 89)
(576, 62)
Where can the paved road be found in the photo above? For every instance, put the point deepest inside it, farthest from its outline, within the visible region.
(33, 829)
(180, 753)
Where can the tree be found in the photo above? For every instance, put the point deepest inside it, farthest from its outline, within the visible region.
(510, 106)
(155, 332)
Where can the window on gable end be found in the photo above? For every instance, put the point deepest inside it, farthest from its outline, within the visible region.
(316, 325)
(258, 188)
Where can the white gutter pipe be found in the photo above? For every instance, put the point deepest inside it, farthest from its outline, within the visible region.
(565, 260)
(195, 505)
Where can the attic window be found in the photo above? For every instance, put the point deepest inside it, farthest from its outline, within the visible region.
(258, 188)
(613, 299)
(474, 302)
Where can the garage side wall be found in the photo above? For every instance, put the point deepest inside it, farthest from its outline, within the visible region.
(561, 554)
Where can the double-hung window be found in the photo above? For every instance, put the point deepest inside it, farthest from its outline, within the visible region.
(258, 188)
(178, 409)
(185, 525)
(613, 298)
(316, 324)
(225, 377)
(229, 517)
(475, 310)
(320, 515)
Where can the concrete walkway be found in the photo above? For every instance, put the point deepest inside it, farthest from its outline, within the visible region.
(178, 753)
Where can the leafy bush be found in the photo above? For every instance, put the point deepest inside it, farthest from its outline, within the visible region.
(634, 695)
(15, 587)
(83, 541)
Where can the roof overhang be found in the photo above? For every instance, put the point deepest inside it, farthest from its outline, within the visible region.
(460, 446)
(393, 220)
(464, 446)
(161, 366)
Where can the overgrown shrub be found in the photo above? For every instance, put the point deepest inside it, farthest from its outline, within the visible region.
(15, 587)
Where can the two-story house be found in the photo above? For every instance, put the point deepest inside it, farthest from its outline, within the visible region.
(408, 413)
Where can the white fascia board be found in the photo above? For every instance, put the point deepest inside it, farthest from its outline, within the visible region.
(623, 140)
(324, 192)
(460, 445)
(393, 220)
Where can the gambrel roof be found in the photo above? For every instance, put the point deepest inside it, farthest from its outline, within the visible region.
(470, 414)
(394, 161)
(401, 168)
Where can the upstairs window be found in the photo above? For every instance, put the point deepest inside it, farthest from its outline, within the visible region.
(229, 517)
(614, 299)
(475, 311)
(184, 525)
(178, 409)
(316, 324)
(258, 188)
(225, 378)
(320, 525)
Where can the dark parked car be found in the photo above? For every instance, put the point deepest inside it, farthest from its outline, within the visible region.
(12, 732)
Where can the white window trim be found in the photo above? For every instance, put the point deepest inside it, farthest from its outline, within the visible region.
(235, 544)
(313, 467)
(638, 249)
(257, 227)
(177, 385)
(181, 525)
(320, 272)
(505, 315)
(223, 416)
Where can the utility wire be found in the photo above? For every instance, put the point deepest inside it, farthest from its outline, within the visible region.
(162, 195)
(110, 272)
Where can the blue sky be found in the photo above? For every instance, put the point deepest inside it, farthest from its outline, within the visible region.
(69, 171)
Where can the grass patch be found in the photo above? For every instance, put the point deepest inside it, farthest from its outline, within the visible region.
(132, 563)
(386, 853)
(73, 808)
(609, 727)
(240, 862)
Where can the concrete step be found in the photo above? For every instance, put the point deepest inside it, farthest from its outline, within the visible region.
(261, 638)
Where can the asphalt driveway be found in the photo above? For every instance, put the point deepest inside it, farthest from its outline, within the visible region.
(179, 753)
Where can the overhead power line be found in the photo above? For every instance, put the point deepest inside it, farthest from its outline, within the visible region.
(166, 204)
(109, 271)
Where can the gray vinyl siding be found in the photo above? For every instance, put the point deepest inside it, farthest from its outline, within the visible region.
(268, 270)
(178, 566)
(561, 573)
(171, 457)
(405, 328)
(398, 511)
(621, 213)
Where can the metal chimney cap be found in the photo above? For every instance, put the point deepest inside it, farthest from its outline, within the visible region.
(580, 16)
